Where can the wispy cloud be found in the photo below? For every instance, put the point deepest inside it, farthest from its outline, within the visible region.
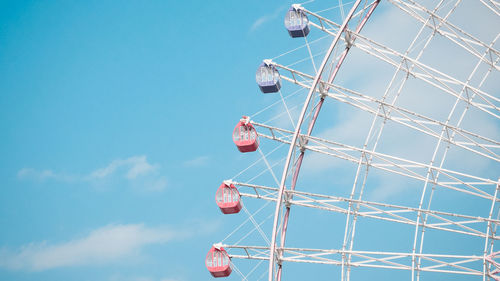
(42, 175)
(134, 166)
(196, 162)
(104, 245)
(121, 277)
(135, 169)
(158, 184)
(262, 20)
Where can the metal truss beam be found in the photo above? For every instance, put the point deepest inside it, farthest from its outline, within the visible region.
(440, 263)
(469, 184)
(400, 115)
(445, 221)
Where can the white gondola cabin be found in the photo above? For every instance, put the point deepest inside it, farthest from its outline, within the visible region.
(268, 78)
(296, 22)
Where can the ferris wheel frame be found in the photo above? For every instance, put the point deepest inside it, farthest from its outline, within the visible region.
(380, 108)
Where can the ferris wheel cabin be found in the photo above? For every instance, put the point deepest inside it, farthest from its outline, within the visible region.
(217, 262)
(245, 136)
(296, 22)
(228, 199)
(268, 78)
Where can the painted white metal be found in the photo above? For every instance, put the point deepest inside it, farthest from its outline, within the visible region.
(455, 34)
(366, 157)
(407, 117)
(442, 263)
(451, 222)
(401, 166)
(272, 253)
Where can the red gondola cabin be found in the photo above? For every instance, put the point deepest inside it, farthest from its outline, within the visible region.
(217, 262)
(245, 136)
(228, 198)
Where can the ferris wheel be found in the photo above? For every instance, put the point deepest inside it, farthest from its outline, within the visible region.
(378, 156)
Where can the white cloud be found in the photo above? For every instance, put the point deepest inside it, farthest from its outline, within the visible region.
(196, 162)
(42, 175)
(104, 245)
(135, 166)
(136, 169)
(260, 21)
(120, 277)
(159, 184)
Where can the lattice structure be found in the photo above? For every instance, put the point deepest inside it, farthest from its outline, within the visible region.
(472, 94)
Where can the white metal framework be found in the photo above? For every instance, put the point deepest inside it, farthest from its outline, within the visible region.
(471, 176)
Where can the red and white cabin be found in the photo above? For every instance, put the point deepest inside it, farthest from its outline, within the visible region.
(218, 262)
(228, 198)
(245, 136)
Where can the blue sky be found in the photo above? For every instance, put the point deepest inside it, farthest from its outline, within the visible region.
(116, 121)
(155, 86)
